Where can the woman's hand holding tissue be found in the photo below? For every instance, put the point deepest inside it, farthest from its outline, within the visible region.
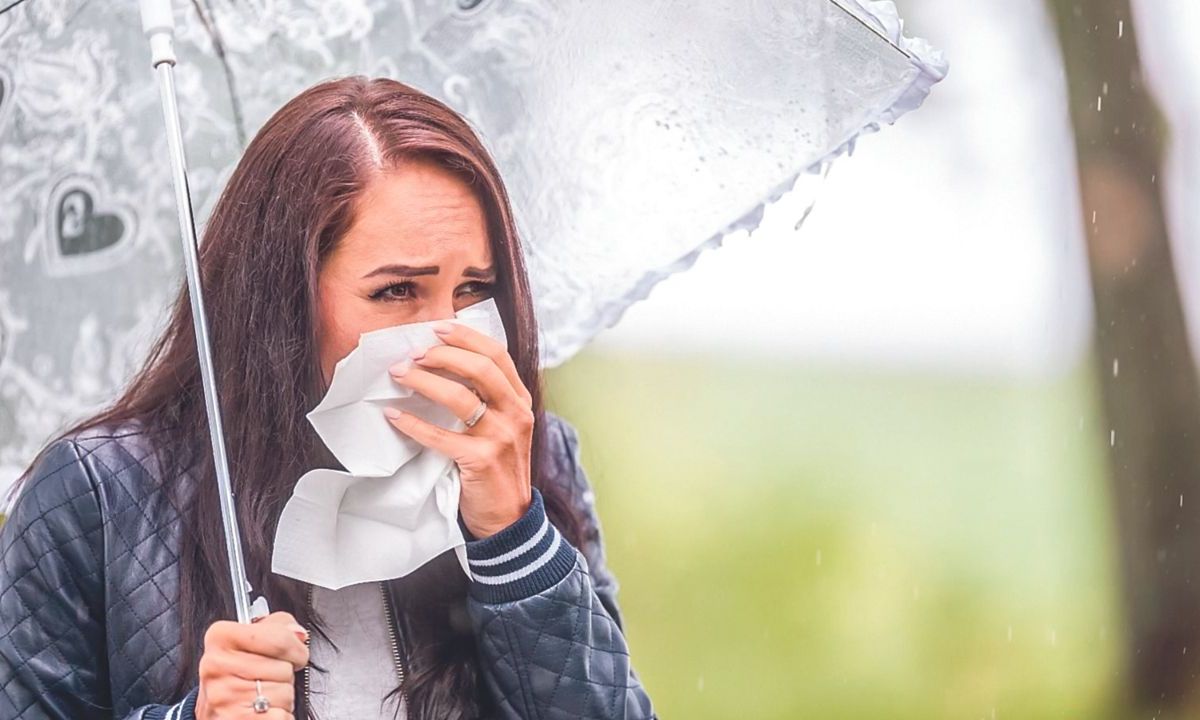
(493, 456)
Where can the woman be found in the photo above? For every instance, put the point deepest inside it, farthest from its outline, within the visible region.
(361, 204)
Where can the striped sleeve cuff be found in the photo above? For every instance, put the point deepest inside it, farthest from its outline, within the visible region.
(185, 709)
(521, 560)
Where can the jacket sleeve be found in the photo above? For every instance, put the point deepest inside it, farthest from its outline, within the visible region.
(53, 655)
(546, 618)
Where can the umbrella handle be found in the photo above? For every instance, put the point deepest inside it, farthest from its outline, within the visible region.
(158, 23)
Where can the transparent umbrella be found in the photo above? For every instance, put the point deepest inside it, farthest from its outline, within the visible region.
(633, 135)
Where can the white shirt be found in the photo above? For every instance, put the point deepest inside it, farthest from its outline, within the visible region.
(361, 671)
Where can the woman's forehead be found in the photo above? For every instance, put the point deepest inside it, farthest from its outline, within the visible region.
(421, 210)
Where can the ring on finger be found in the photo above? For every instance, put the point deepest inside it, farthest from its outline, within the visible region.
(261, 704)
(479, 410)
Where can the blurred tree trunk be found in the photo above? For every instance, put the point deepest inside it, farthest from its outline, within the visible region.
(1150, 386)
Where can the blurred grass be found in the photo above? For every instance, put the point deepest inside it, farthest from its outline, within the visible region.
(816, 542)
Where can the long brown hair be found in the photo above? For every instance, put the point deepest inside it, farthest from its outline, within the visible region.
(284, 209)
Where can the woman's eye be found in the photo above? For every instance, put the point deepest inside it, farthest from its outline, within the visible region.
(479, 288)
(395, 291)
(404, 290)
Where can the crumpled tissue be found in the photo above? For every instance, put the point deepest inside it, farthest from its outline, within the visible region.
(396, 506)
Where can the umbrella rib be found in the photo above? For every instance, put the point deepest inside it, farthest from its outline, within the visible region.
(11, 5)
(870, 27)
(219, 48)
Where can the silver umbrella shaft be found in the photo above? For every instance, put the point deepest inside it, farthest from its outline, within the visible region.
(159, 27)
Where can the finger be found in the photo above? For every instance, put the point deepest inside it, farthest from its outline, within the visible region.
(280, 617)
(240, 693)
(282, 696)
(469, 338)
(451, 393)
(453, 445)
(271, 640)
(244, 665)
(481, 370)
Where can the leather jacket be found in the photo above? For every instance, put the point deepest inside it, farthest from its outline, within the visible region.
(89, 591)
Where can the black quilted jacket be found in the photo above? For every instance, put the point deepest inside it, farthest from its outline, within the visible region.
(89, 624)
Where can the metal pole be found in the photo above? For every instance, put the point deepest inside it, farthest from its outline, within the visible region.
(159, 26)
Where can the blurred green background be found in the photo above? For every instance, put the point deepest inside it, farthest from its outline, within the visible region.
(805, 541)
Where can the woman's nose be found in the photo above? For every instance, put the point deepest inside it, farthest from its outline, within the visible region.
(437, 310)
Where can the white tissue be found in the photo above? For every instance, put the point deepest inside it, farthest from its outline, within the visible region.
(397, 506)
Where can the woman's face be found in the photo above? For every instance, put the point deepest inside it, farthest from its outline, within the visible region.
(417, 250)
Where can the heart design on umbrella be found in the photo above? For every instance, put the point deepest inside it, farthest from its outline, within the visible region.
(83, 234)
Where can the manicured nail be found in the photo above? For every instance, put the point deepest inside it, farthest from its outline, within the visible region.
(399, 369)
(300, 630)
(443, 327)
(393, 413)
(416, 354)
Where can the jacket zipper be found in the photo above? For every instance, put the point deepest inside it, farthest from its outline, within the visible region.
(392, 635)
(391, 623)
(308, 644)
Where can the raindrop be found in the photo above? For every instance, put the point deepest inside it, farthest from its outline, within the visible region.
(818, 557)
(1120, 28)
(1104, 89)
(1116, 367)
(1112, 438)
(1010, 633)
(700, 684)
(1181, 500)
(1053, 637)
(1099, 103)
(1093, 217)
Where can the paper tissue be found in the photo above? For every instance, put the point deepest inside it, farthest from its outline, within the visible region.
(396, 506)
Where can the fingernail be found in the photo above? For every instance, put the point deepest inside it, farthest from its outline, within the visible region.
(443, 327)
(416, 354)
(300, 630)
(399, 369)
(392, 413)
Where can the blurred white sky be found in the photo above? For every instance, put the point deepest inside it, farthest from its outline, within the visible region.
(949, 241)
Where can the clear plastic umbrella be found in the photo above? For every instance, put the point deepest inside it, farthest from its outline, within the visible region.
(633, 135)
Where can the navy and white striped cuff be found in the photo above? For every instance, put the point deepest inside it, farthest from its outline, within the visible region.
(521, 560)
(185, 709)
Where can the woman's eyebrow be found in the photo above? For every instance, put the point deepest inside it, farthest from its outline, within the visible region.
(394, 269)
(481, 273)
